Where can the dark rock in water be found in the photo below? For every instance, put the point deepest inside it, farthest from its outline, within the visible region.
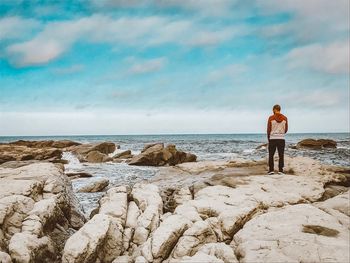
(316, 144)
(105, 147)
(262, 146)
(123, 155)
(95, 186)
(158, 155)
(79, 175)
(160, 145)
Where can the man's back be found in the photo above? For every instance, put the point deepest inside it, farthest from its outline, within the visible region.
(277, 126)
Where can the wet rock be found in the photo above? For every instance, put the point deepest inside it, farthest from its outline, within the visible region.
(95, 186)
(316, 144)
(158, 155)
(79, 175)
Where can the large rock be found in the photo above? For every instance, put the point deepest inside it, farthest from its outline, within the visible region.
(97, 157)
(94, 153)
(193, 238)
(38, 212)
(212, 252)
(48, 143)
(97, 185)
(24, 153)
(158, 155)
(298, 233)
(316, 144)
(105, 147)
(87, 244)
(167, 234)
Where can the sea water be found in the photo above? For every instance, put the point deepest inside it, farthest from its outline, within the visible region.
(205, 146)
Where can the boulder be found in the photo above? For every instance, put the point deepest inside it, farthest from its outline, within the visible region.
(38, 212)
(46, 143)
(213, 252)
(27, 248)
(167, 234)
(316, 144)
(5, 258)
(308, 235)
(10, 152)
(193, 238)
(123, 155)
(105, 147)
(158, 155)
(77, 175)
(87, 244)
(97, 157)
(97, 185)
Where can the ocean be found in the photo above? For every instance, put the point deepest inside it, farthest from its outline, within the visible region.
(205, 146)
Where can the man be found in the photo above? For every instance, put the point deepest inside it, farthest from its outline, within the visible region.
(277, 127)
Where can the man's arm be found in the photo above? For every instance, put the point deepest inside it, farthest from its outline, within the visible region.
(286, 127)
(269, 128)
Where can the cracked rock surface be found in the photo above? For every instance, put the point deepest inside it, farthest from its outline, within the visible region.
(211, 212)
(38, 212)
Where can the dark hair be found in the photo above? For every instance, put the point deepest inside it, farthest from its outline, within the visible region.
(277, 107)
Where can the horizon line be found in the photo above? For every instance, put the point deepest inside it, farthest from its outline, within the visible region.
(166, 134)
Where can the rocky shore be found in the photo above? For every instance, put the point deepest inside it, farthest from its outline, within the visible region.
(205, 211)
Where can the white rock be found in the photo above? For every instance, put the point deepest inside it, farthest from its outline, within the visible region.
(202, 258)
(220, 251)
(140, 235)
(85, 244)
(283, 235)
(167, 234)
(193, 238)
(338, 206)
(115, 204)
(123, 259)
(132, 215)
(5, 258)
(96, 185)
(27, 248)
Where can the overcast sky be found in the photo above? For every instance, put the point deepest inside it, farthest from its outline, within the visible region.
(174, 66)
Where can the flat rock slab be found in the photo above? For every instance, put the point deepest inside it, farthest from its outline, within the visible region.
(298, 233)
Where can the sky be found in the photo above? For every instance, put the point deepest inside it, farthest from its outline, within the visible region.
(176, 66)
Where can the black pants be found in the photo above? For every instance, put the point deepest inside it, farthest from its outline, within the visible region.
(279, 144)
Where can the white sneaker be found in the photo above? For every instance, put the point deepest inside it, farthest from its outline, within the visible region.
(281, 173)
(272, 172)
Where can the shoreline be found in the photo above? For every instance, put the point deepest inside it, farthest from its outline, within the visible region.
(204, 211)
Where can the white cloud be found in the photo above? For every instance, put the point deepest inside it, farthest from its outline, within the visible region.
(332, 58)
(148, 66)
(312, 20)
(15, 27)
(58, 37)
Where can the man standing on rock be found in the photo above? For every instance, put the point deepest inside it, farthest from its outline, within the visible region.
(277, 127)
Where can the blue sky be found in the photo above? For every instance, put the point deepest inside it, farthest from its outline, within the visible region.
(156, 66)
